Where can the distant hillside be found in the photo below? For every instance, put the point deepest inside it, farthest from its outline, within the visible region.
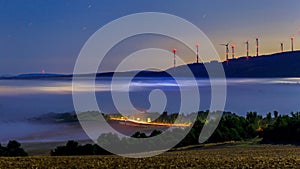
(36, 76)
(286, 64)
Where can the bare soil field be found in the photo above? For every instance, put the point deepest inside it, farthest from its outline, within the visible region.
(250, 156)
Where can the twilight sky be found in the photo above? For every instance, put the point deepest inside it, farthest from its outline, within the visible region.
(48, 34)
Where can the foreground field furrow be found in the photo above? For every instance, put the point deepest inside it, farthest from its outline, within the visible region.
(229, 157)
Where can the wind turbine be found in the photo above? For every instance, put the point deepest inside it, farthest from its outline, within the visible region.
(232, 47)
(292, 43)
(197, 46)
(247, 49)
(227, 50)
(257, 46)
(174, 51)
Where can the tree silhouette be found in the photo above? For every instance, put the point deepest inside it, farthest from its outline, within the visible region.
(73, 148)
(13, 149)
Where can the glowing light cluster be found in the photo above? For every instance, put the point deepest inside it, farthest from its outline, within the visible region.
(150, 123)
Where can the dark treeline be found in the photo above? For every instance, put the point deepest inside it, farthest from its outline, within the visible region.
(283, 129)
(271, 129)
(12, 149)
(73, 148)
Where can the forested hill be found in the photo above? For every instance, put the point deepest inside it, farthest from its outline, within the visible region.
(286, 64)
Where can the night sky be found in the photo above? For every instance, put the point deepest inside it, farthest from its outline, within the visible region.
(48, 34)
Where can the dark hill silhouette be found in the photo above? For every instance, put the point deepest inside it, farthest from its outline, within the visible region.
(286, 64)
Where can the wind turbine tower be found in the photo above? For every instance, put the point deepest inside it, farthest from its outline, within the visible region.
(227, 50)
(292, 43)
(256, 46)
(197, 59)
(174, 51)
(232, 47)
(281, 47)
(247, 49)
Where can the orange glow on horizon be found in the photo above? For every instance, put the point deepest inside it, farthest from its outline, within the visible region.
(152, 123)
